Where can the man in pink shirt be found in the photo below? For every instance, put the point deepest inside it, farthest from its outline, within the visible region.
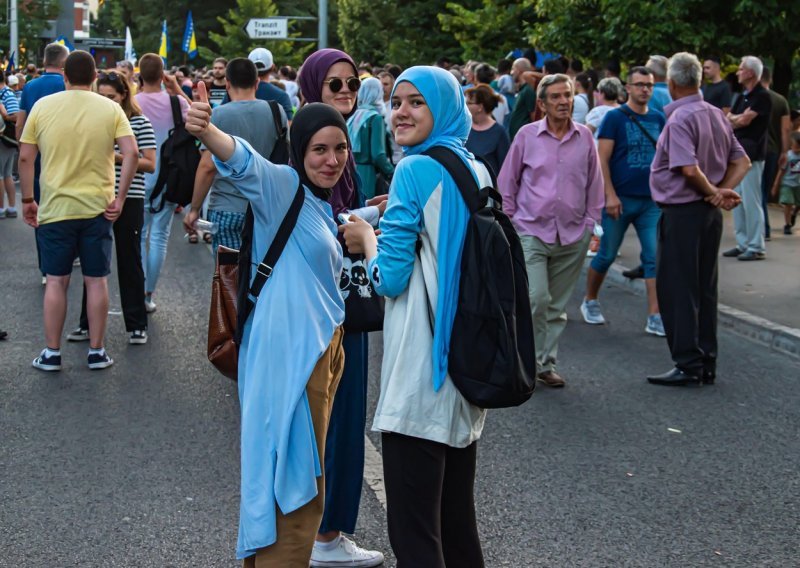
(552, 189)
(697, 164)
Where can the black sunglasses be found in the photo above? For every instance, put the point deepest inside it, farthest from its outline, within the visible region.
(336, 84)
(112, 76)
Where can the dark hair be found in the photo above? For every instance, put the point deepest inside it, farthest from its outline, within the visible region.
(587, 85)
(151, 68)
(118, 82)
(79, 68)
(504, 66)
(484, 96)
(484, 73)
(185, 70)
(553, 67)
(443, 62)
(593, 75)
(715, 59)
(766, 74)
(564, 62)
(614, 67)
(576, 65)
(288, 72)
(394, 70)
(530, 55)
(54, 55)
(638, 70)
(241, 73)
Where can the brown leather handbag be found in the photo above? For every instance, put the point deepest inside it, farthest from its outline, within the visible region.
(222, 349)
(227, 316)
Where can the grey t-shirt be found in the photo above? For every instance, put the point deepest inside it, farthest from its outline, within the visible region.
(252, 121)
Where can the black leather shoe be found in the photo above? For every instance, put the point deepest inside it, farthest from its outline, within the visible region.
(730, 253)
(709, 377)
(674, 378)
(634, 273)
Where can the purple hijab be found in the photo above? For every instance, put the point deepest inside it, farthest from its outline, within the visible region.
(312, 74)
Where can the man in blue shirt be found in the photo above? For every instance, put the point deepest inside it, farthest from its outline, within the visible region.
(266, 91)
(50, 82)
(657, 64)
(626, 146)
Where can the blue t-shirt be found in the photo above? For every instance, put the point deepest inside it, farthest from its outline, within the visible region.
(47, 84)
(661, 97)
(633, 150)
(269, 92)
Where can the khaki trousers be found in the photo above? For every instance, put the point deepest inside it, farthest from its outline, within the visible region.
(553, 271)
(297, 530)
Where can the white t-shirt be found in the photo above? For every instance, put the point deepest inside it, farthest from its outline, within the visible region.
(580, 108)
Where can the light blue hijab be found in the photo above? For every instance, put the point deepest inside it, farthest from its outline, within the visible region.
(370, 103)
(451, 125)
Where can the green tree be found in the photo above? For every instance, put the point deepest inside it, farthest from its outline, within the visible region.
(32, 20)
(233, 41)
(490, 31)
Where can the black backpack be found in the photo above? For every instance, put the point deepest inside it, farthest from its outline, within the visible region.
(180, 156)
(492, 358)
(279, 155)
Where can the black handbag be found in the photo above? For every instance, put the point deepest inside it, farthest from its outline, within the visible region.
(363, 306)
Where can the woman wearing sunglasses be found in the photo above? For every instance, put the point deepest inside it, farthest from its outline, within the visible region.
(128, 226)
(330, 76)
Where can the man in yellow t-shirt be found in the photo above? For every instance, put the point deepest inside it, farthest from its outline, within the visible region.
(75, 131)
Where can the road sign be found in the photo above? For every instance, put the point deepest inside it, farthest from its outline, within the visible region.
(267, 28)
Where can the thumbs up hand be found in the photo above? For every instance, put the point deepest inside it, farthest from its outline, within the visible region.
(199, 117)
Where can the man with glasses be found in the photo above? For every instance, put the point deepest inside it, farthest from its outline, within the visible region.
(626, 145)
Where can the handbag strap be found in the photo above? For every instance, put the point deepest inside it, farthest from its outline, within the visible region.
(265, 267)
(635, 120)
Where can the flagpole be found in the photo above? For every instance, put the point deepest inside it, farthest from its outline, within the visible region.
(13, 46)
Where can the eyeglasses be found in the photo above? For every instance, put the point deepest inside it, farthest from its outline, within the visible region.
(642, 85)
(336, 84)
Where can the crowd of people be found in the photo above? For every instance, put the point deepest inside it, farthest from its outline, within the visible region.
(341, 150)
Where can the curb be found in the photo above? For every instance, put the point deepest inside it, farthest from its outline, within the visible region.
(780, 338)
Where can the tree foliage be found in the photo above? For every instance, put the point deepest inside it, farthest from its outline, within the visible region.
(233, 41)
(491, 30)
(32, 20)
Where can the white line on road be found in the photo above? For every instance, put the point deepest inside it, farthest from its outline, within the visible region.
(373, 470)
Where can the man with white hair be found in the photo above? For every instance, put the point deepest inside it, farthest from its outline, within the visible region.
(552, 188)
(698, 160)
(661, 97)
(750, 121)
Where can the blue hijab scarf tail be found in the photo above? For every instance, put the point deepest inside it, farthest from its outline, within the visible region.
(451, 125)
(370, 103)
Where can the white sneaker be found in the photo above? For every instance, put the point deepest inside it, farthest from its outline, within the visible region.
(346, 553)
(590, 310)
(149, 306)
(655, 326)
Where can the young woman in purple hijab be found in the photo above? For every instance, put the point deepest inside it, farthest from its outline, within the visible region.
(330, 76)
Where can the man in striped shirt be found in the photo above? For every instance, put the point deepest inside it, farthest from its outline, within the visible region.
(9, 107)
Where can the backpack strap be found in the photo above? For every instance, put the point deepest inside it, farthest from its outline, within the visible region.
(264, 269)
(473, 196)
(635, 120)
(280, 129)
(177, 116)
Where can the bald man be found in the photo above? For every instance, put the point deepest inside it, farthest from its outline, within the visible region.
(525, 103)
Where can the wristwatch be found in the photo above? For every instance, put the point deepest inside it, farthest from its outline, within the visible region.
(27, 199)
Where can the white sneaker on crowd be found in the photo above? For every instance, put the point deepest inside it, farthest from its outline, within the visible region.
(655, 326)
(44, 280)
(590, 310)
(344, 552)
(149, 305)
(138, 337)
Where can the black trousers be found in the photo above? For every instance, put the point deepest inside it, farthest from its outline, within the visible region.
(686, 281)
(128, 245)
(430, 503)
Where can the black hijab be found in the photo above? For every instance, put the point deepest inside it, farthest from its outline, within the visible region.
(308, 121)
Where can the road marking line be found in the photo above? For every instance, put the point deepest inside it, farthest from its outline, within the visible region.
(373, 470)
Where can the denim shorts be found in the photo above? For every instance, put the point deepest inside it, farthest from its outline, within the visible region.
(643, 214)
(90, 239)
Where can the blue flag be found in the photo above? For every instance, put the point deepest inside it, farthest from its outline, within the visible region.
(189, 39)
(10, 66)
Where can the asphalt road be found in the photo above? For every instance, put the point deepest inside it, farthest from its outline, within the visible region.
(137, 465)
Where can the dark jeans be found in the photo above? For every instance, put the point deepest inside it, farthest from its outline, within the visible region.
(128, 245)
(770, 173)
(686, 282)
(430, 503)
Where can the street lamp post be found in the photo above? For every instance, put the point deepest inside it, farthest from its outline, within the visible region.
(323, 24)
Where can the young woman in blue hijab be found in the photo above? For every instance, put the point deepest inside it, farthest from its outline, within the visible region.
(429, 431)
(368, 135)
(291, 355)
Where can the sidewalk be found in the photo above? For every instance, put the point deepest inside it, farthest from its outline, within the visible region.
(759, 299)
